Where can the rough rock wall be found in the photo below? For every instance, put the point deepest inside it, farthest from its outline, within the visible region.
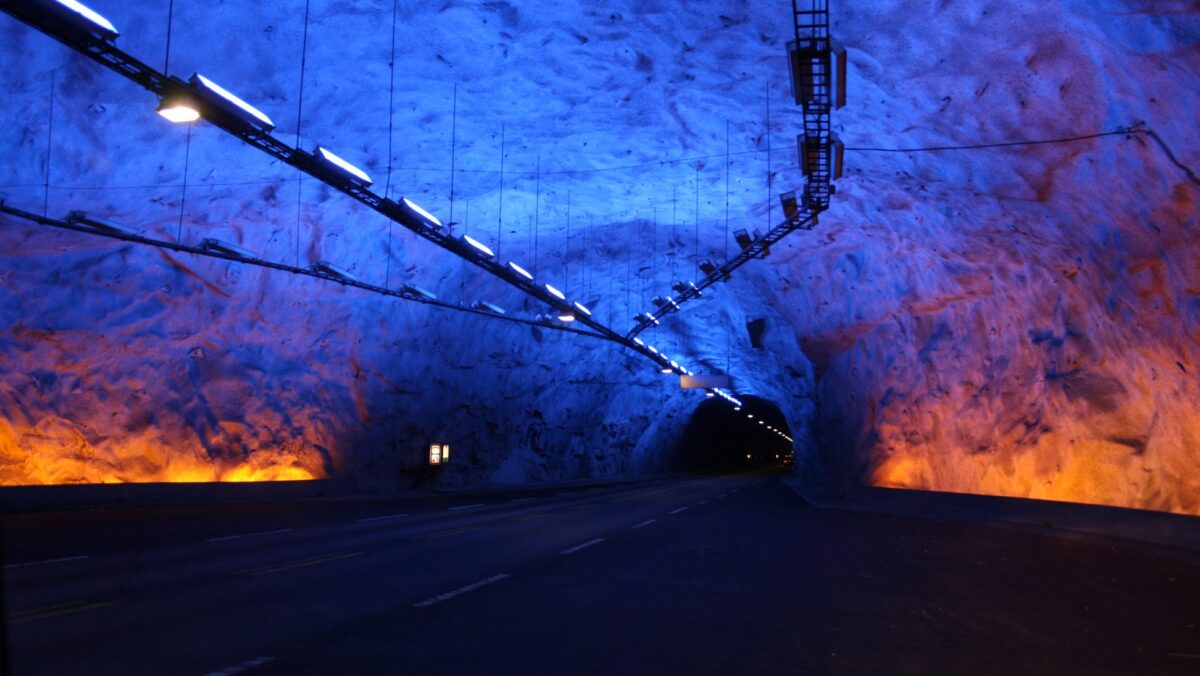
(1015, 321)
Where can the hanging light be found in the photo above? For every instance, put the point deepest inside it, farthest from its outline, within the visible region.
(640, 342)
(410, 213)
(178, 109)
(520, 271)
(77, 14)
(478, 246)
(566, 316)
(327, 268)
(418, 291)
(97, 223)
(226, 101)
(489, 307)
(228, 248)
(341, 167)
(583, 308)
(555, 292)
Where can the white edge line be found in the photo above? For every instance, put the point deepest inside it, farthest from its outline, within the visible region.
(643, 524)
(238, 668)
(381, 518)
(38, 563)
(676, 511)
(249, 535)
(461, 590)
(576, 548)
(455, 509)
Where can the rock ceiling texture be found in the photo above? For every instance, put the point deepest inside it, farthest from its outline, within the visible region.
(1020, 320)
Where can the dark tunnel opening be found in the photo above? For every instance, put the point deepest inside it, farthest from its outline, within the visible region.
(721, 438)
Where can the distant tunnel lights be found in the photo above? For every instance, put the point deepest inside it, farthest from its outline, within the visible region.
(341, 167)
(478, 246)
(226, 101)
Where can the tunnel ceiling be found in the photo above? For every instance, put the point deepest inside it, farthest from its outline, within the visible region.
(1018, 321)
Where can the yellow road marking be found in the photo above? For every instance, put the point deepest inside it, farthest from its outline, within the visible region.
(280, 567)
(59, 609)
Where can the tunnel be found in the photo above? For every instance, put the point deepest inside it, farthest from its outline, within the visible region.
(723, 438)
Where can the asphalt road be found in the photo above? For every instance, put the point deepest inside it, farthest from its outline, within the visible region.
(726, 575)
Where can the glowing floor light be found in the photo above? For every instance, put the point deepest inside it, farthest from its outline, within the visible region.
(342, 167)
(555, 292)
(230, 103)
(221, 246)
(478, 246)
(520, 270)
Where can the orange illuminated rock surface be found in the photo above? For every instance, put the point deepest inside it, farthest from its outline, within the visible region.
(1019, 321)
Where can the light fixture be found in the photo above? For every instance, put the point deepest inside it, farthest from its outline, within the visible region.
(652, 349)
(709, 394)
(742, 237)
(566, 316)
(478, 246)
(418, 291)
(695, 288)
(555, 292)
(645, 316)
(229, 248)
(520, 270)
(679, 287)
(761, 422)
(100, 224)
(737, 408)
(489, 307)
(410, 213)
(341, 167)
(79, 15)
(178, 110)
(229, 103)
(707, 267)
(583, 308)
(749, 415)
(666, 369)
(640, 342)
(327, 268)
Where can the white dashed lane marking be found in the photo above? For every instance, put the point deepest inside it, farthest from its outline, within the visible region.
(676, 511)
(249, 535)
(383, 518)
(239, 668)
(576, 548)
(643, 524)
(461, 590)
(455, 509)
(39, 563)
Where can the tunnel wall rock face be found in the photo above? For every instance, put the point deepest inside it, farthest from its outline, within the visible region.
(1016, 321)
(123, 363)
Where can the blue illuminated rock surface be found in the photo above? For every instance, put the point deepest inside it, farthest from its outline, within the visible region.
(1017, 321)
